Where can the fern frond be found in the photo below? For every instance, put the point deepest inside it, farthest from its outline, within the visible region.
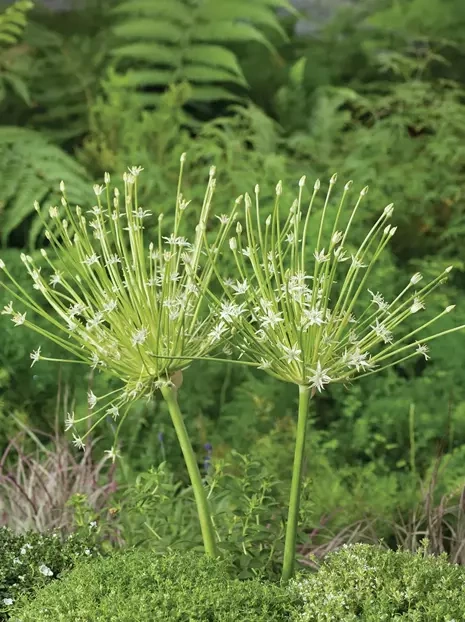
(31, 169)
(64, 77)
(161, 43)
(13, 21)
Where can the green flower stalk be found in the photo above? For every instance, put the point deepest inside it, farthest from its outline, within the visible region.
(134, 310)
(299, 310)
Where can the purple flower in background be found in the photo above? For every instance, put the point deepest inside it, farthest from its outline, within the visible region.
(207, 460)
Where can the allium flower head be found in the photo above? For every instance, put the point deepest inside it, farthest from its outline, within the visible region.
(122, 302)
(308, 315)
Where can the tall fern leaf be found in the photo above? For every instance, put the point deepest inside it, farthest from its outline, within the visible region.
(163, 42)
(31, 169)
(12, 24)
(13, 21)
(64, 79)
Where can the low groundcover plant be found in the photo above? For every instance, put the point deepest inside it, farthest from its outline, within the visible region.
(177, 587)
(363, 582)
(30, 561)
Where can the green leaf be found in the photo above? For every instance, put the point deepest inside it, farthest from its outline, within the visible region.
(151, 52)
(214, 56)
(148, 29)
(147, 77)
(199, 73)
(242, 10)
(176, 10)
(231, 32)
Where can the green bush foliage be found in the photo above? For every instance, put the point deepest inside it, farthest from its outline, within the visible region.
(139, 585)
(30, 561)
(370, 584)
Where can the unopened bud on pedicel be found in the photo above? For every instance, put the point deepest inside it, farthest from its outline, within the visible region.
(302, 181)
(416, 278)
(348, 185)
(279, 188)
(316, 185)
(233, 244)
(333, 179)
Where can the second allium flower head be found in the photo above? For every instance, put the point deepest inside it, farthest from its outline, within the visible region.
(302, 312)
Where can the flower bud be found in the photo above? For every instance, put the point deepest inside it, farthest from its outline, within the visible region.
(160, 217)
(316, 185)
(257, 188)
(63, 201)
(363, 191)
(268, 221)
(387, 229)
(333, 179)
(53, 212)
(416, 278)
(2, 264)
(388, 210)
(106, 178)
(239, 228)
(43, 252)
(233, 244)
(448, 269)
(182, 159)
(392, 231)
(302, 181)
(36, 206)
(212, 171)
(247, 200)
(62, 186)
(279, 188)
(348, 185)
(449, 308)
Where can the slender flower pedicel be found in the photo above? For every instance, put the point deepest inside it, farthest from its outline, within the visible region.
(303, 311)
(134, 309)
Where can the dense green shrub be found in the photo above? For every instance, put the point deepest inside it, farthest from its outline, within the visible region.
(370, 584)
(30, 561)
(139, 585)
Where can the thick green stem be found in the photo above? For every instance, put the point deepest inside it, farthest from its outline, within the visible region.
(206, 524)
(294, 500)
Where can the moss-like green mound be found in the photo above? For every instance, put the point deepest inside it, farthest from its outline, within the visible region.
(371, 584)
(138, 585)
